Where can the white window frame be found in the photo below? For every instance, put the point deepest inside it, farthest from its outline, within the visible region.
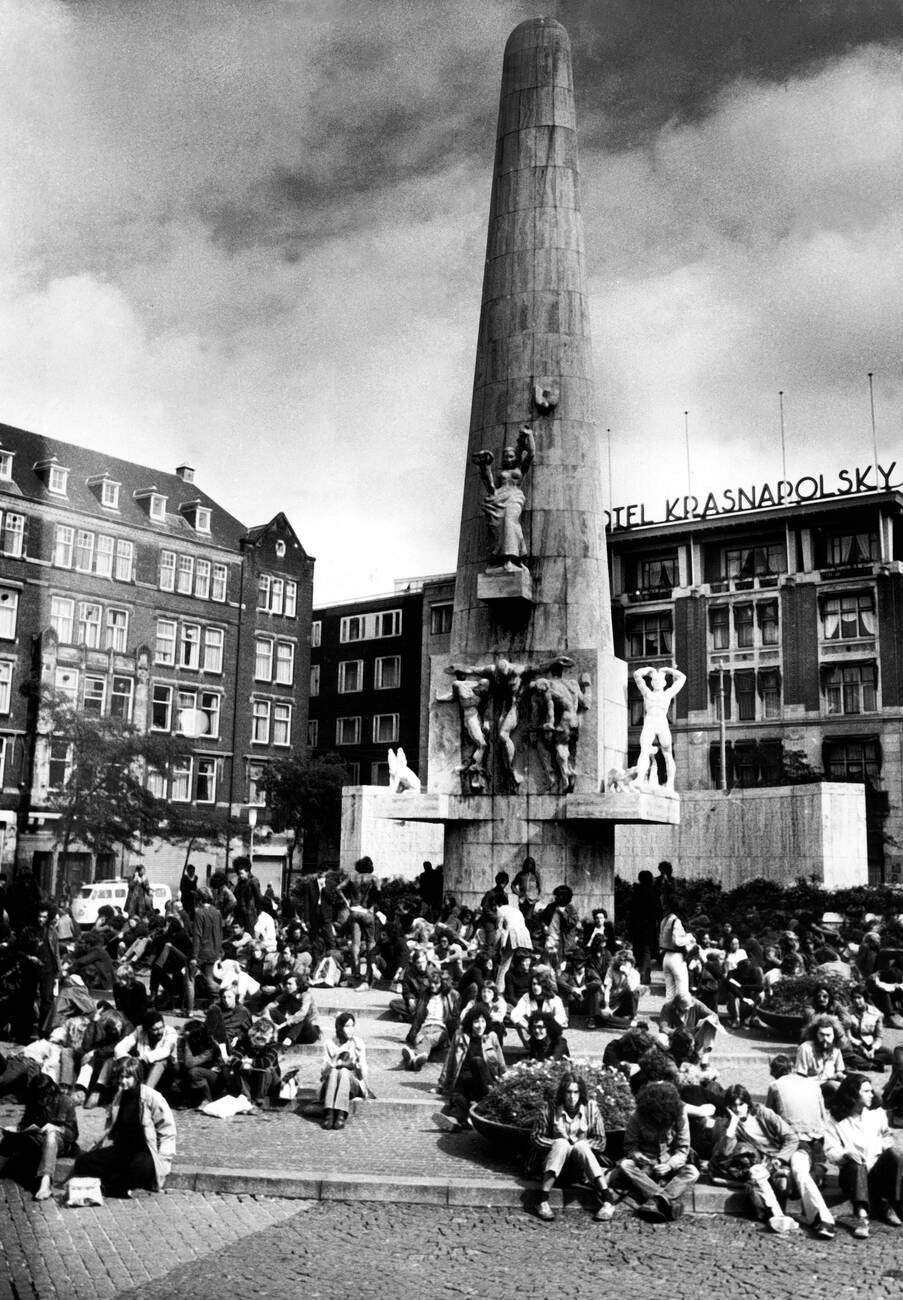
(6, 466)
(6, 685)
(104, 553)
(290, 608)
(185, 575)
(101, 698)
(65, 682)
(125, 560)
(129, 697)
(63, 545)
(109, 494)
(167, 574)
(63, 619)
(189, 651)
(157, 507)
(116, 630)
(85, 542)
(9, 612)
(313, 732)
(316, 633)
(214, 647)
(57, 480)
(202, 578)
(209, 775)
(12, 538)
(375, 626)
(219, 588)
(261, 711)
(356, 727)
(90, 624)
(202, 519)
(255, 770)
(379, 670)
(169, 637)
(345, 668)
(314, 680)
(378, 720)
(183, 773)
(263, 658)
(282, 724)
(210, 704)
(284, 667)
(165, 690)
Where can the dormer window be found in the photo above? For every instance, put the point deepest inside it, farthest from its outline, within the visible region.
(6, 466)
(280, 550)
(156, 503)
(107, 490)
(197, 515)
(55, 475)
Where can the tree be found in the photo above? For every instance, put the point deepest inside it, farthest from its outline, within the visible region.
(304, 794)
(103, 800)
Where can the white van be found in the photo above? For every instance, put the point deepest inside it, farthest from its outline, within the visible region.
(111, 893)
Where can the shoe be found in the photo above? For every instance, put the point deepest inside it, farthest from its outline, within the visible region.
(340, 1120)
(545, 1212)
(329, 1119)
(861, 1229)
(447, 1123)
(782, 1224)
(892, 1217)
(407, 1055)
(824, 1230)
(364, 987)
(605, 1212)
(419, 1062)
(651, 1211)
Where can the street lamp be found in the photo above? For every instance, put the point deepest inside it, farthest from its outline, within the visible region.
(252, 822)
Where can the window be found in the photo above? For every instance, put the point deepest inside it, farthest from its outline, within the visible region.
(379, 773)
(205, 781)
(263, 592)
(657, 572)
(6, 466)
(755, 561)
(715, 695)
(62, 618)
(276, 595)
(165, 649)
(185, 575)
(441, 619)
(213, 650)
(65, 683)
(351, 676)
(190, 646)
(263, 659)
(649, 636)
(256, 795)
(315, 679)
(157, 510)
(6, 681)
(291, 599)
(13, 534)
(117, 633)
(63, 545)
(770, 693)
(767, 616)
(167, 580)
(202, 579)
(280, 549)
(846, 618)
(720, 627)
(744, 626)
(209, 706)
(180, 781)
(313, 732)
(220, 576)
(316, 633)
(9, 609)
(156, 783)
(125, 558)
(89, 617)
(6, 743)
(84, 551)
(851, 760)
(60, 764)
(103, 558)
(260, 722)
(387, 673)
(745, 691)
(366, 627)
(202, 520)
(121, 698)
(852, 548)
(385, 728)
(95, 694)
(282, 724)
(57, 479)
(352, 774)
(851, 688)
(161, 707)
(285, 663)
(348, 731)
(109, 494)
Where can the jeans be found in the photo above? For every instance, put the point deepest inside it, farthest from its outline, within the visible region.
(641, 1182)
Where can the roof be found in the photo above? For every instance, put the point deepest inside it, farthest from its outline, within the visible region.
(83, 465)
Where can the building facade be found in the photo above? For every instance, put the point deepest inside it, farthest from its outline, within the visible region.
(129, 593)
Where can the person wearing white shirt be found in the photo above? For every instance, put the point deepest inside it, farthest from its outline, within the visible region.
(265, 931)
(858, 1139)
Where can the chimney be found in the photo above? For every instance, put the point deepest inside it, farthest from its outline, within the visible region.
(185, 473)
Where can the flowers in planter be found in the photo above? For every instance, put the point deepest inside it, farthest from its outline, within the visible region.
(793, 996)
(528, 1087)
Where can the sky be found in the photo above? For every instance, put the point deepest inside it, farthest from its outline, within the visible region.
(249, 234)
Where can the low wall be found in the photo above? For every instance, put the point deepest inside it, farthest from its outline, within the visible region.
(777, 833)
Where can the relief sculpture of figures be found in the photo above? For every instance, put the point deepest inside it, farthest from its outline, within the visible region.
(561, 702)
(472, 694)
(504, 502)
(657, 693)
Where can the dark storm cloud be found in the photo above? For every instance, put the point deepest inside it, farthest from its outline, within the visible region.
(639, 64)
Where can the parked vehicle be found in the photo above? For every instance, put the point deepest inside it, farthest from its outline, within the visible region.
(113, 893)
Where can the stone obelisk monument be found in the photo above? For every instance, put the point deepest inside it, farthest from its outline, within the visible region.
(528, 713)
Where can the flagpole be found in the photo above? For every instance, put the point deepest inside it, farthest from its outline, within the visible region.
(687, 443)
(874, 427)
(783, 446)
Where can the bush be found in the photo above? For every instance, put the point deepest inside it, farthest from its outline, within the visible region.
(524, 1093)
(793, 996)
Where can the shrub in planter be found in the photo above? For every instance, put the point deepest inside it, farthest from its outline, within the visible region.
(793, 997)
(524, 1092)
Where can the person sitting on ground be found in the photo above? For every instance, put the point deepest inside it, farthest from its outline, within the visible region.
(473, 1064)
(294, 1013)
(47, 1129)
(655, 1170)
(153, 1044)
(226, 1019)
(859, 1141)
(413, 982)
(820, 1057)
(264, 932)
(825, 1003)
(745, 985)
(486, 920)
(655, 1066)
(435, 1020)
(561, 921)
(104, 1031)
(686, 1012)
(138, 1144)
(624, 1053)
(517, 980)
(129, 994)
(527, 888)
(344, 1073)
(579, 985)
(541, 997)
(699, 1089)
(599, 939)
(476, 984)
(199, 1073)
(570, 1138)
(800, 1103)
(753, 1145)
(885, 989)
(864, 1026)
(253, 1065)
(546, 1040)
(620, 999)
(892, 1094)
(169, 956)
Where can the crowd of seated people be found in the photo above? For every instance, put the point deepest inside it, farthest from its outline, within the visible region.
(512, 974)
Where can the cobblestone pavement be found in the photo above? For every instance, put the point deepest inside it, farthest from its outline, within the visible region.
(187, 1246)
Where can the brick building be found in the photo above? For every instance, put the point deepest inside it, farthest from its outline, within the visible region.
(133, 593)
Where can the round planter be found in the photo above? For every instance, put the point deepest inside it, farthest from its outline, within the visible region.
(514, 1142)
(781, 1022)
